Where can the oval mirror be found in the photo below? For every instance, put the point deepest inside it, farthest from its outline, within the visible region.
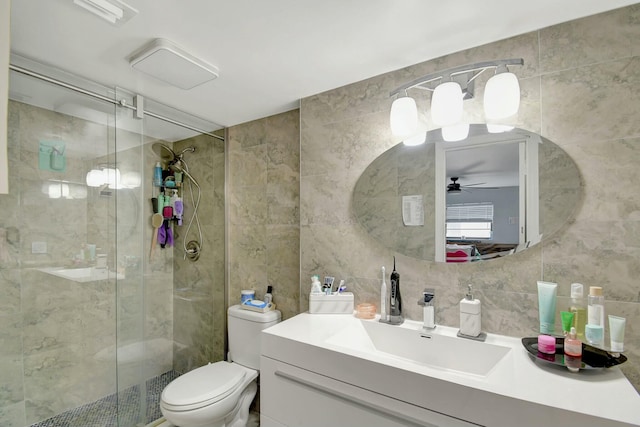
(482, 198)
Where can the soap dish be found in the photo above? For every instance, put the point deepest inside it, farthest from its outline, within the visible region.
(592, 357)
(259, 307)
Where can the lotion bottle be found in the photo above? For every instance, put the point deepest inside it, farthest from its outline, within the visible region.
(578, 309)
(595, 316)
(383, 298)
(157, 175)
(470, 315)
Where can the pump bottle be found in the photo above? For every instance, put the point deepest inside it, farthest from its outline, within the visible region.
(470, 315)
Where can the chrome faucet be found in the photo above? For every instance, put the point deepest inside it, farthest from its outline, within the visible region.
(428, 303)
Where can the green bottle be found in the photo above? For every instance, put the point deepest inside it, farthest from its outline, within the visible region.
(579, 309)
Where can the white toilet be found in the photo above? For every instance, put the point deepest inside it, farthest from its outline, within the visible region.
(219, 394)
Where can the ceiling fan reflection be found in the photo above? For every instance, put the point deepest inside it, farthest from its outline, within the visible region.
(456, 188)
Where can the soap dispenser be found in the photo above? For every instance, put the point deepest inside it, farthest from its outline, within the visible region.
(470, 316)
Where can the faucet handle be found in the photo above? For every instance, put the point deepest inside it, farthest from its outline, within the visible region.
(427, 296)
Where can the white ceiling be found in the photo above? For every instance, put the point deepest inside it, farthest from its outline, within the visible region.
(272, 53)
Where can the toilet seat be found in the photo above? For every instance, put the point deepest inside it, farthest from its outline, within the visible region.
(203, 386)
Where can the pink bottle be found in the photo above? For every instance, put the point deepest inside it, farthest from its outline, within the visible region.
(572, 351)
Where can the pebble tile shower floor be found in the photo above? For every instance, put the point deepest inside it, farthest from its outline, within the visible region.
(117, 410)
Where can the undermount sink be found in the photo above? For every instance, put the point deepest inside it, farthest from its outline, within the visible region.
(433, 349)
(85, 274)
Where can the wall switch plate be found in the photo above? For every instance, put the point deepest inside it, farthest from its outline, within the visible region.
(38, 247)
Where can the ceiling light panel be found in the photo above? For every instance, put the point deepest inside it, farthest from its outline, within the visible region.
(167, 62)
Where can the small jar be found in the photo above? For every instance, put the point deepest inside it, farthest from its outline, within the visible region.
(365, 310)
(546, 344)
(247, 294)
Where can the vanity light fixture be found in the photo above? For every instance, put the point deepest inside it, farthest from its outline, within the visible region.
(446, 104)
(63, 189)
(456, 132)
(496, 128)
(450, 87)
(501, 95)
(417, 139)
(103, 176)
(404, 116)
(110, 176)
(114, 11)
(95, 178)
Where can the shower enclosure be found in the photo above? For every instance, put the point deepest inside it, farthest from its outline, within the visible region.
(92, 326)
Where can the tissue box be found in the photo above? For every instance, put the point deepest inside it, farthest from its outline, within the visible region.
(336, 303)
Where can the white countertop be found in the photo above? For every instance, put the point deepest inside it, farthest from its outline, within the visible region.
(603, 393)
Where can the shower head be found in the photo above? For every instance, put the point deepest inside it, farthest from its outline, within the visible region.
(180, 166)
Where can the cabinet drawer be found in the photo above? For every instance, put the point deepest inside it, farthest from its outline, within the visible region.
(299, 398)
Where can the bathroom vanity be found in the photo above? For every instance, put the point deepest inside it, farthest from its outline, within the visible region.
(321, 370)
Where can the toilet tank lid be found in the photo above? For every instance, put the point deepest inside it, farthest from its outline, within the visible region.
(254, 316)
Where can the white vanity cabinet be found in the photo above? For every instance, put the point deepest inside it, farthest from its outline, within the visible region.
(295, 397)
(309, 378)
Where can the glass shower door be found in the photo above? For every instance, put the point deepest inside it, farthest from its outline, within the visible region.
(58, 299)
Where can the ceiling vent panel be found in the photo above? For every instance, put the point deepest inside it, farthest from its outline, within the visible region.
(167, 62)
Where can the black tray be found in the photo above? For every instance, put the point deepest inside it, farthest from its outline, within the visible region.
(592, 357)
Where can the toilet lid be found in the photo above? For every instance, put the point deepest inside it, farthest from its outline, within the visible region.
(203, 386)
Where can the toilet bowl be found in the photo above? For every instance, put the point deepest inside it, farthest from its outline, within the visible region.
(210, 396)
(219, 394)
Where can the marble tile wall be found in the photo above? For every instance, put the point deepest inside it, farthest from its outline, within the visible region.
(199, 318)
(581, 90)
(263, 197)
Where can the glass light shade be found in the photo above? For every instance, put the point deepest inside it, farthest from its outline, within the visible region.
(77, 191)
(418, 139)
(131, 180)
(95, 178)
(456, 132)
(112, 177)
(404, 116)
(58, 190)
(496, 128)
(55, 191)
(501, 96)
(446, 104)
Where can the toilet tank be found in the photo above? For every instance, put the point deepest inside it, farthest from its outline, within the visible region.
(244, 334)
